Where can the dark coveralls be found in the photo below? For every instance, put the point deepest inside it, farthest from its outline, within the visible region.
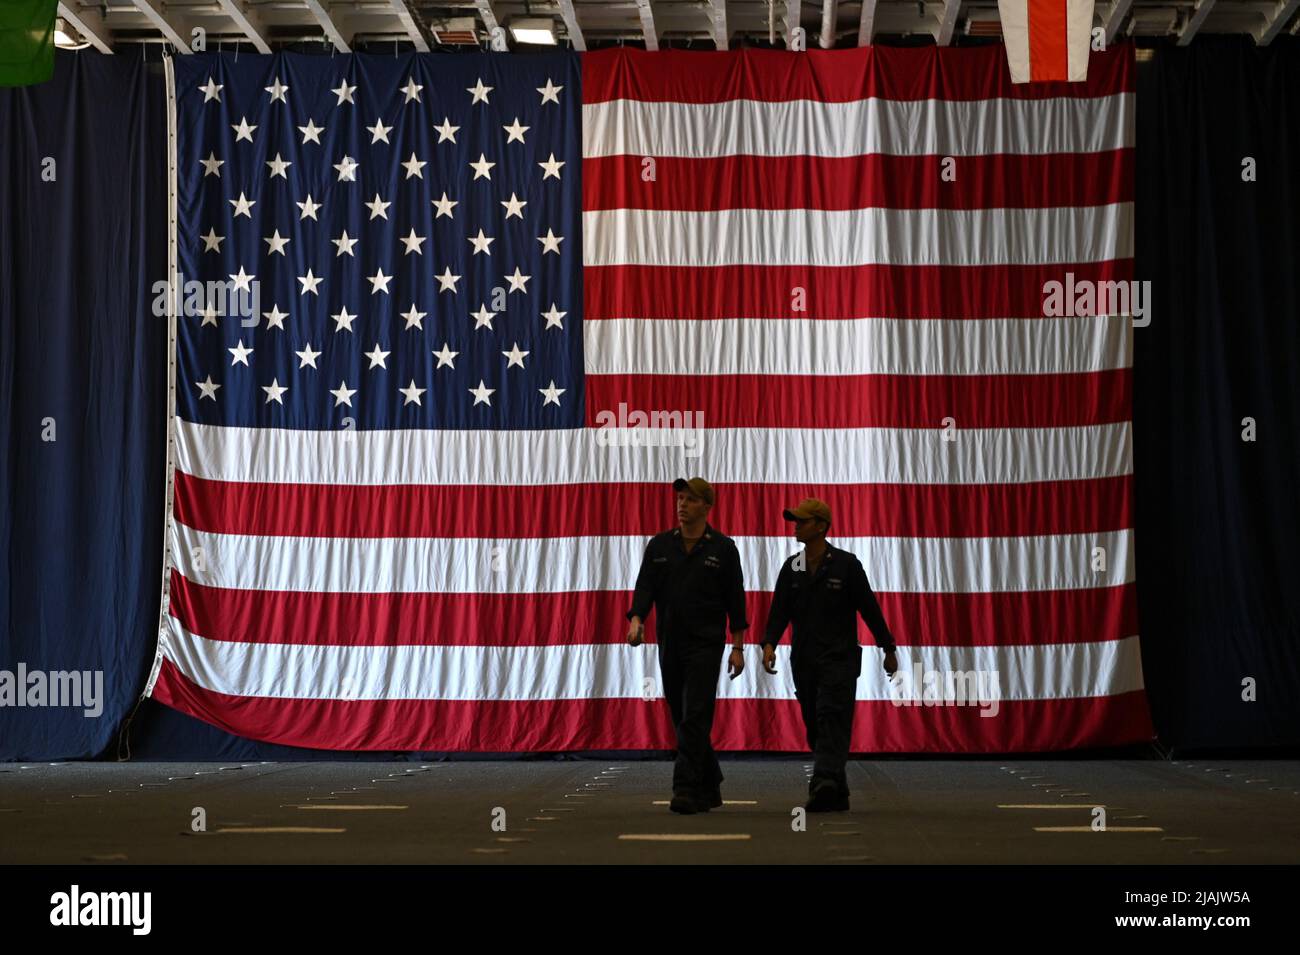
(825, 658)
(695, 595)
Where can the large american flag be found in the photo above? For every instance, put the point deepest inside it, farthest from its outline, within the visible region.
(398, 522)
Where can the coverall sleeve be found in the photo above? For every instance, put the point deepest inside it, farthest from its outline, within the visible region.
(643, 596)
(867, 606)
(779, 616)
(736, 613)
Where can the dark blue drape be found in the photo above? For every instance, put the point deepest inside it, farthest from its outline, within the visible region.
(80, 351)
(1218, 518)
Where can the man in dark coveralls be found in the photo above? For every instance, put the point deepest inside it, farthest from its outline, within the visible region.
(822, 590)
(691, 576)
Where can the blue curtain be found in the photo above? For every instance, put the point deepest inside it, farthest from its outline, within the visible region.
(1218, 517)
(83, 213)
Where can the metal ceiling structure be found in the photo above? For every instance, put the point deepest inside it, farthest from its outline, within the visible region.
(654, 24)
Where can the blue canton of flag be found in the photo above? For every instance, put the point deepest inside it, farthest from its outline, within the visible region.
(411, 226)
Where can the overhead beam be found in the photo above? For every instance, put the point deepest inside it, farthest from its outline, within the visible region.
(248, 22)
(1115, 19)
(947, 22)
(326, 21)
(1273, 26)
(489, 17)
(571, 24)
(867, 23)
(1194, 21)
(169, 28)
(830, 11)
(647, 24)
(90, 24)
(793, 15)
(718, 17)
(412, 24)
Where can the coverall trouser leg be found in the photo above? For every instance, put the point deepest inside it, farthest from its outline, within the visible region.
(689, 670)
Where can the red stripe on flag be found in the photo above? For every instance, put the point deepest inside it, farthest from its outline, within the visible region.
(858, 182)
(955, 292)
(606, 724)
(872, 401)
(1013, 618)
(587, 510)
(835, 76)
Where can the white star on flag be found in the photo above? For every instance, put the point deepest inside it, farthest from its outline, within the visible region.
(278, 166)
(550, 242)
(344, 93)
(343, 394)
(275, 318)
(518, 282)
(447, 281)
(309, 283)
(446, 357)
(311, 132)
(343, 320)
(515, 132)
(552, 394)
(553, 318)
(515, 356)
(550, 93)
(344, 244)
(414, 318)
(446, 132)
(445, 206)
(277, 91)
(243, 205)
(276, 243)
(551, 168)
(274, 390)
(412, 393)
(307, 356)
(309, 208)
(207, 388)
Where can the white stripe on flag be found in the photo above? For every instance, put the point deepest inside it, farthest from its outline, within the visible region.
(986, 238)
(728, 456)
(863, 346)
(563, 564)
(603, 671)
(977, 127)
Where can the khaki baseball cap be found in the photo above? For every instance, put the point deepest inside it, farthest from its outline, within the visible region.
(697, 486)
(808, 507)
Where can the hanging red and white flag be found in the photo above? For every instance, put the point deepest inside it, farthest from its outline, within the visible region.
(1047, 39)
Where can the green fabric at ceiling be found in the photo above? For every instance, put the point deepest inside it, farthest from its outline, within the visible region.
(26, 41)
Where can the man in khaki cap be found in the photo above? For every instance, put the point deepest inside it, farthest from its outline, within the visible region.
(691, 575)
(822, 590)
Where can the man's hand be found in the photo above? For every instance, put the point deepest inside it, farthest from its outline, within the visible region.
(736, 662)
(636, 632)
(891, 663)
(769, 658)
